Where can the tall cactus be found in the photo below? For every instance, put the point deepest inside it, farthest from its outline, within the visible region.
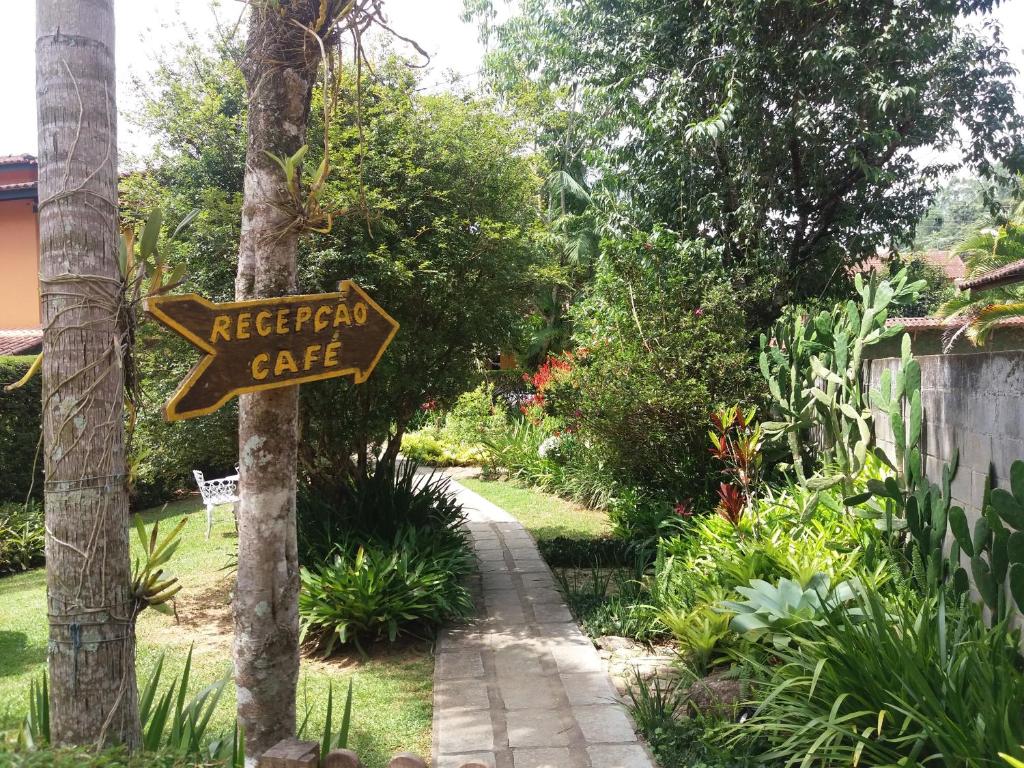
(813, 370)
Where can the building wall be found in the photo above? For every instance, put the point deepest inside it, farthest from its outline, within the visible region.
(19, 265)
(973, 401)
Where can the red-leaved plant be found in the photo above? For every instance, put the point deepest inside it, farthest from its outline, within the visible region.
(736, 441)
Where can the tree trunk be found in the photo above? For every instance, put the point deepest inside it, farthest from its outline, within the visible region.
(280, 66)
(93, 695)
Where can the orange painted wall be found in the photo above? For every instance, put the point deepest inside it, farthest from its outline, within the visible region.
(19, 265)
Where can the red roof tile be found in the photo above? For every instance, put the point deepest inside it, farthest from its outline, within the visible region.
(941, 323)
(18, 185)
(949, 263)
(18, 341)
(17, 159)
(1008, 275)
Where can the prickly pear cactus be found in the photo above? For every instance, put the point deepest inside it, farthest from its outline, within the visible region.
(996, 548)
(813, 371)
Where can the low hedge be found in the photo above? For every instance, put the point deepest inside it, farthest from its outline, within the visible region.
(21, 420)
(564, 552)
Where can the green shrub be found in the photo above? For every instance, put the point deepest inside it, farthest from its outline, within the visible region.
(456, 439)
(22, 537)
(531, 454)
(378, 507)
(20, 429)
(639, 517)
(665, 343)
(164, 454)
(383, 591)
(429, 447)
(171, 724)
(474, 417)
(82, 757)
(612, 602)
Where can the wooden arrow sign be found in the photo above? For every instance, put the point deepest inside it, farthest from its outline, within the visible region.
(268, 343)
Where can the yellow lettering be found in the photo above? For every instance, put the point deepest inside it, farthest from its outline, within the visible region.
(322, 318)
(285, 363)
(312, 355)
(263, 327)
(341, 316)
(259, 366)
(302, 316)
(360, 313)
(242, 330)
(331, 354)
(282, 321)
(221, 327)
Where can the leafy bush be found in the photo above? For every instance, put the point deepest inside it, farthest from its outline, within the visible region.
(474, 417)
(21, 417)
(384, 591)
(22, 537)
(639, 517)
(428, 446)
(172, 724)
(677, 740)
(377, 507)
(383, 556)
(529, 452)
(164, 454)
(457, 440)
(82, 757)
(663, 343)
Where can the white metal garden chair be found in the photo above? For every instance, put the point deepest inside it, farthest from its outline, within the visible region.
(223, 490)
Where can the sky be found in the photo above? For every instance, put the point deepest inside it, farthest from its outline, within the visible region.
(149, 26)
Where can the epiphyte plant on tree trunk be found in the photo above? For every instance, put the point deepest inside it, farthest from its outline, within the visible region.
(288, 42)
(90, 603)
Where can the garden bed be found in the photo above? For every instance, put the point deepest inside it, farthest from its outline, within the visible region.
(392, 690)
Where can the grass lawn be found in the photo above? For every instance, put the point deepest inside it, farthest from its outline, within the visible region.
(392, 694)
(544, 515)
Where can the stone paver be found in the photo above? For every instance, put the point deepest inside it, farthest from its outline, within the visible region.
(522, 687)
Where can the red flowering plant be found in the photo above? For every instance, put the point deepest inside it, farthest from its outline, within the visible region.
(551, 372)
(736, 441)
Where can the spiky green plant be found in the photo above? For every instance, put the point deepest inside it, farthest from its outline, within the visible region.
(813, 368)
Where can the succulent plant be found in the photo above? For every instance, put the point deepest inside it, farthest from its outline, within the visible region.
(996, 548)
(779, 610)
(813, 370)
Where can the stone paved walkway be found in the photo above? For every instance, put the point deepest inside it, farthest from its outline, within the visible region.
(522, 687)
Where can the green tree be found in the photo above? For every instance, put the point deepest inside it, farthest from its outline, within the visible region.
(784, 133)
(438, 205)
(435, 211)
(957, 211)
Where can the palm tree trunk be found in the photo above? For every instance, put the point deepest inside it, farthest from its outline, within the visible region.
(280, 66)
(93, 696)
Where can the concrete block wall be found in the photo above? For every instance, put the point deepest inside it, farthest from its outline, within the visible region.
(973, 401)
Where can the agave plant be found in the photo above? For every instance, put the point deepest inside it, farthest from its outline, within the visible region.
(781, 611)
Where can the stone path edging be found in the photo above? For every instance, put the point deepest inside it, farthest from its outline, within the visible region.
(521, 686)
